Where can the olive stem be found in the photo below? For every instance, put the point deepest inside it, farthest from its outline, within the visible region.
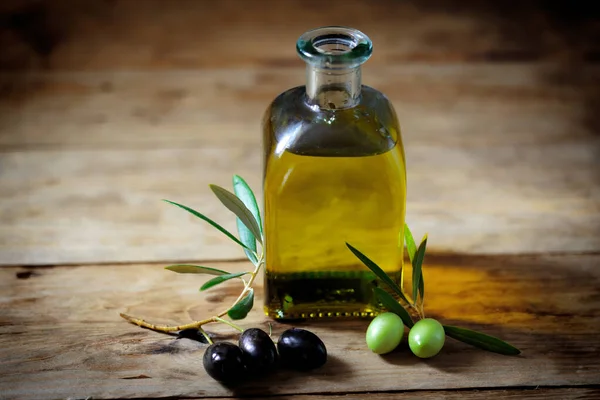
(413, 304)
(231, 324)
(198, 324)
(203, 332)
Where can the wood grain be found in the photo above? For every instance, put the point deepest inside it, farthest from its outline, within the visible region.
(118, 34)
(107, 107)
(501, 159)
(516, 104)
(61, 326)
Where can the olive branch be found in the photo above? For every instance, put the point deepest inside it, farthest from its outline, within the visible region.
(249, 226)
(416, 256)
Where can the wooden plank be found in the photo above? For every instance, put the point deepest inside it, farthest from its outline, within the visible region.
(71, 35)
(493, 152)
(469, 105)
(501, 159)
(89, 206)
(111, 204)
(61, 326)
(534, 393)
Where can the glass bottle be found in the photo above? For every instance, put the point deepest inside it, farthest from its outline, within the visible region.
(334, 172)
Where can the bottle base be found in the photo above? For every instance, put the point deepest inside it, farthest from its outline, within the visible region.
(321, 295)
(318, 313)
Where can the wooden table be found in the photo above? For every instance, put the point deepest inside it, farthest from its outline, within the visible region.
(108, 107)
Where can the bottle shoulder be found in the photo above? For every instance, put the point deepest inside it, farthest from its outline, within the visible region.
(370, 127)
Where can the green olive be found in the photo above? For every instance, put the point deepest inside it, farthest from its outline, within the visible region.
(384, 333)
(426, 338)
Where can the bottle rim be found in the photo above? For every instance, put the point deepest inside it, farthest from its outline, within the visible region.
(334, 47)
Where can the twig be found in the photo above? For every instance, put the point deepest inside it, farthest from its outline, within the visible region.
(198, 324)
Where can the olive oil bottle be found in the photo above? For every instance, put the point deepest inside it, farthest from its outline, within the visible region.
(334, 172)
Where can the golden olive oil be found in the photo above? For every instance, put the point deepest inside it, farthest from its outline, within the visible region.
(334, 173)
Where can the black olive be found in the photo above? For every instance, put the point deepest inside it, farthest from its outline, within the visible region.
(301, 349)
(258, 350)
(223, 362)
(193, 334)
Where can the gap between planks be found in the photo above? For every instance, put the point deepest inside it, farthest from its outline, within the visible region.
(591, 392)
(432, 257)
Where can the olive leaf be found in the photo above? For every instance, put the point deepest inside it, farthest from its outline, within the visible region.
(393, 306)
(210, 221)
(378, 271)
(422, 287)
(245, 194)
(236, 206)
(411, 247)
(243, 307)
(481, 340)
(417, 275)
(220, 279)
(248, 239)
(195, 269)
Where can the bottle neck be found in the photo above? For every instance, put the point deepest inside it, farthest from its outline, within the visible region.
(333, 88)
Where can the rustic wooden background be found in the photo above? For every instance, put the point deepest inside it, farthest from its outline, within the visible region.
(107, 107)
